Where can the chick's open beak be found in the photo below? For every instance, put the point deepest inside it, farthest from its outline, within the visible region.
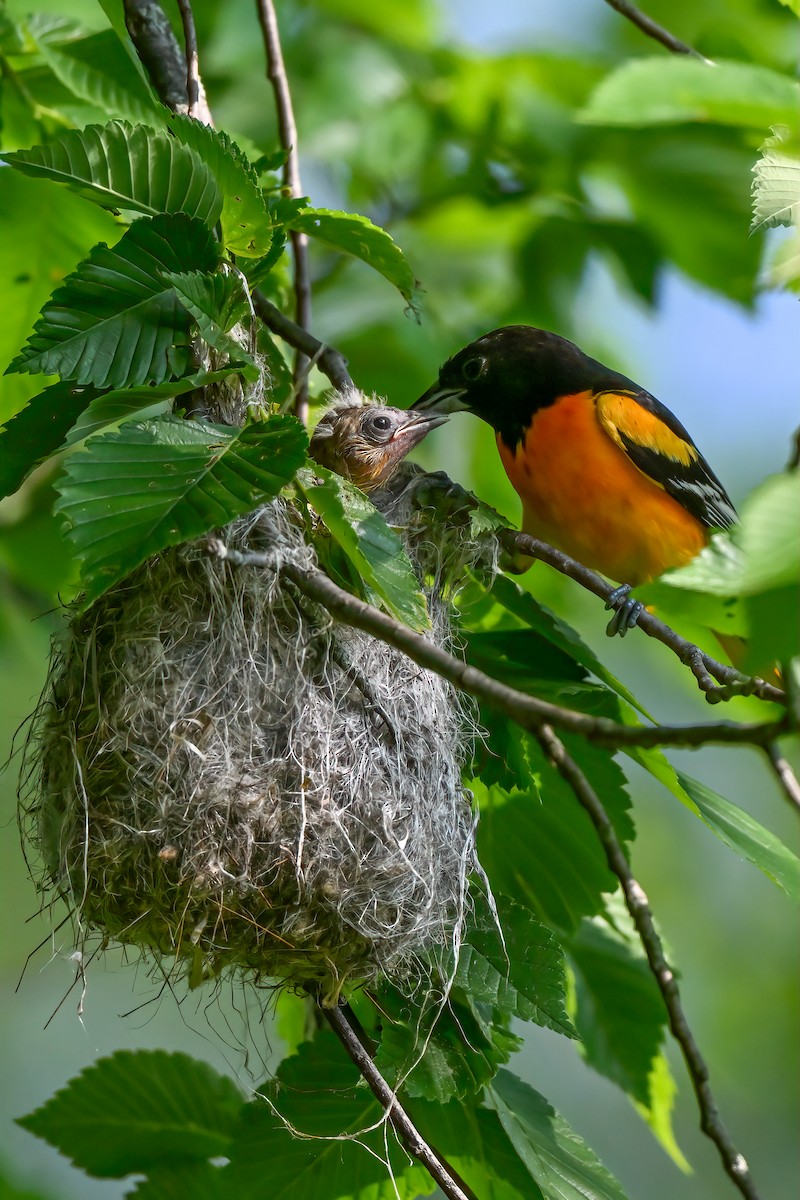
(415, 428)
(441, 399)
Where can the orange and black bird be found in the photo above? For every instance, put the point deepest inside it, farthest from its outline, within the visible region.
(366, 442)
(605, 472)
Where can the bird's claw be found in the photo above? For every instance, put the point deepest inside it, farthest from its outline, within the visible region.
(626, 612)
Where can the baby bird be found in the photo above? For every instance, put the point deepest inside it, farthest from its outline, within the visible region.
(367, 442)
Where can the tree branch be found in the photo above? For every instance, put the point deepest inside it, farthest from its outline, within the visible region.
(649, 27)
(287, 128)
(784, 774)
(638, 906)
(330, 361)
(158, 49)
(527, 711)
(448, 1180)
(709, 673)
(198, 105)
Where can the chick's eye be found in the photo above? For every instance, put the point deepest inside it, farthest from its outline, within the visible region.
(381, 423)
(473, 368)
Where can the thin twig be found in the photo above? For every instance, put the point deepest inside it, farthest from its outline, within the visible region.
(638, 906)
(527, 711)
(330, 361)
(287, 129)
(784, 774)
(652, 29)
(192, 62)
(448, 1180)
(715, 679)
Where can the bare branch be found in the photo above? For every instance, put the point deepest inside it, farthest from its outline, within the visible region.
(784, 774)
(638, 906)
(330, 361)
(287, 128)
(649, 27)
(447, 1178)
(709, 673)
(527, 711)
(198, 105)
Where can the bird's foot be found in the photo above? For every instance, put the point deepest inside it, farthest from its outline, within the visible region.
(626, 612)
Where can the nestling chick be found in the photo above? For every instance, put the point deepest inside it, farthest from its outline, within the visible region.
(367, 442)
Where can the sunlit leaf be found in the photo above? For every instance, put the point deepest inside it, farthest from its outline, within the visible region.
(358, 236)
(156, 483)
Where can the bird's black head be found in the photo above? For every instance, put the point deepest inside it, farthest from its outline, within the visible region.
(507, 375)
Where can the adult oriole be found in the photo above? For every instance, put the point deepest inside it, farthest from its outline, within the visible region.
(367, 442)
(605, 472)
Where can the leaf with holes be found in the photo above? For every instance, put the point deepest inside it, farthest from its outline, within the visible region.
(122, 166)
(115, 321)
(374, 549)
(358, 236)
(245, 218)
(137, 1110)
(156, 483)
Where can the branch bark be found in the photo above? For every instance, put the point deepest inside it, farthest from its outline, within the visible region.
(447, 1178)
(638, 906)
(198, 105)
(287, 129)
(653, 30)
(330, 361)
(158, 49)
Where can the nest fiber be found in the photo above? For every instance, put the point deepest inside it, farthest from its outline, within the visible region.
(222, 775)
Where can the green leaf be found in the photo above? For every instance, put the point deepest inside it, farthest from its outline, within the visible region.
(154, 484)
(137, 1110)
(38, 431)
(521, 973)
(358, 236)
(98, 70)
(770, 535)
(115, 321)
(745, 836)
(672, 91)
(558, 1160)
(375, 550)
(662, 1090)
(538, 844)
(776, 186)
(335, 1157)
(216, 302)
(120, 166)
(201, 1181)
(247, 228)
(440, 1056)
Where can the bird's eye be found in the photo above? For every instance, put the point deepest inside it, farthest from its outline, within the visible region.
(381, 423)
(473, 368)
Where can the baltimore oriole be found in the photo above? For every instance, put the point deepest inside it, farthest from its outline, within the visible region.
(605, 472)
(366, 442)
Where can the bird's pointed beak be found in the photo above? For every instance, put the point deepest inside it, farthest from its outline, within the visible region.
(415, 428)
(442, 399)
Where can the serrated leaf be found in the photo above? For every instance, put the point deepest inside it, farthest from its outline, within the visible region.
(115, 321)
(538, 845)
(375, 550)
(440, 1055)
(156, 483)
(216, 303)
(676, 90)
(335, 1158)
(38, 431)
(745, 836)
(201, 1181)
(776, 190)
(121, 166)
(247, 226)
(358, 236)
(97, 69)
(137, 1110)
(559, 1161)
(521, 974)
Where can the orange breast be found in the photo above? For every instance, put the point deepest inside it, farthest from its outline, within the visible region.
(581, 493)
